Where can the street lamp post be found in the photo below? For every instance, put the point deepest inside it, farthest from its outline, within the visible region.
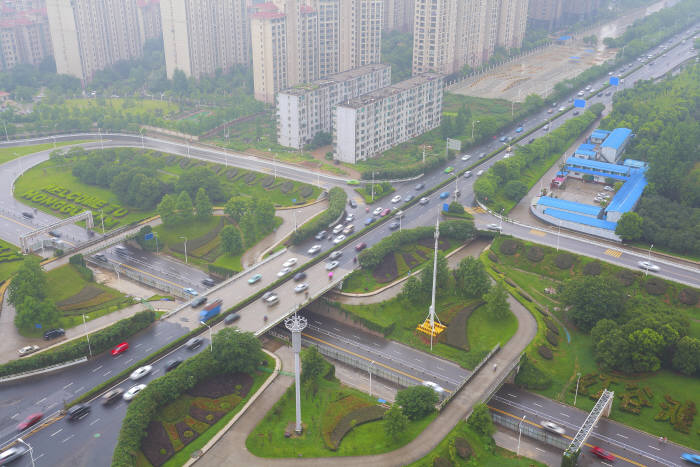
(87, 335)
(102, 146)
(558, 233)
(500, 225)
(188, 148)
(31, 450)
(372, 186)
(7, 138)
(578, 378)
(369, 370)
(102, 218)
(520, 432)
(155, 234)
(141, 133)
(456, 187)
(211, 342)
(646, 270)
(185, 239)
(473, 124)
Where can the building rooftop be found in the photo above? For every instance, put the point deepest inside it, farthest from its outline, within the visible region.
(616, 138)
(597, 165)
(585, 152)
(625, 199)
(600, 134)
(304, 88)
(396, 88)
(572, 206)
(634, 164)
(587, 147)
(579, 219)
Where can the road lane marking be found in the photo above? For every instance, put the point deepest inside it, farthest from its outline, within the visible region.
(157, 334)
(336, 329)
(621, 436)
(52, 406)
(79, 389)
(318, 322)
(654, 447)
(374, 343)
(95, 421)
(129, 360)
(68, 385)
(511, 395)
(605, 463)
(138, 345)
(14, 416)
(39, 456)
(54, 434)
(107, 373)
(538, 232)
(613, 253)
(40, 401)
(69, 438)
(97, 368)
(538, 405)
(562, 413)
(149, 349)
(541, 450)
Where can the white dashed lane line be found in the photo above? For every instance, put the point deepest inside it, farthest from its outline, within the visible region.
(69, 438)
(95, 421)
(68, 385)
(55, 433)
(96, 369)
(621, 436)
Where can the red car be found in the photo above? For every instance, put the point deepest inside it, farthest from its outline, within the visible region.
(121, 348)
(602, 453)
(385, 212)
(29, 421)
(360, 246)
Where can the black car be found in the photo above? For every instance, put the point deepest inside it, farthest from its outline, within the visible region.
(420, 186)
(101, 257)
(172, 364)
(54, 333)
(55, 234)
(209, 282)
(28, 215)
(232, 318)
(78, 411)
(576, 112)
(198, 301)
(194, 343)
(352, 203)
(300, 276)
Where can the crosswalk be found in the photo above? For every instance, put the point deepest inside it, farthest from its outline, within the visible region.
(613, 253)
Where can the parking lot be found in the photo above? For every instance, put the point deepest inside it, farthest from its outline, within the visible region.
(580, 191)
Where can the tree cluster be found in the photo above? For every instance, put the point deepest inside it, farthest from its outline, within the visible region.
(28, 294)
(471, 278)
(591, 299)
(336, 206)
(255, 218)
(397, 51)
(417, 401)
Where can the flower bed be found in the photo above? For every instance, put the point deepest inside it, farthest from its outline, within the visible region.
(355, 418)
(335, 412)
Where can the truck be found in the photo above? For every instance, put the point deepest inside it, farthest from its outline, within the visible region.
(211, 310)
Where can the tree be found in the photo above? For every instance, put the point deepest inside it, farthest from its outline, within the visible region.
(471, 279)
(417, 401)
(264, 212)
(480, 420)
(515, 190)
(231, 240)
(645, 346)
(687, 356)
(237, 351)
(202, 204)
(313, 365)
(29, 281)
(412, 290)
(180, 85)
(32, 311)
(629, 227)
(497, 301)
(201, 177)
(395, 422)
(184, 208)
(248, 228)
(166, 209)
(456, 207)
(592, 298)
(236, 207)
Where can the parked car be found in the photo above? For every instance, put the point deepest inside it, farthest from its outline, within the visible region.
(385, 212)
(424, 201)
(198, 302)
(394, 225)
(232, 318)
(140, 372)
(608, 188)
(444, 194)
(112, 396)
(360, 246)
(27, 349)
(396, 199)
(553, 427)
(301, 287)
(349, 218)
(54, 333)
(648, 266)
(78, 412)
(254, 278)
(369, 220)
(314, 249)
(190, 291)
(339, 239)
(30, 420)
(335, 255)
(321, 235)
(519, 129)
(193, 343)
(13, 453)
(602, 453)
(377, 211)
(348, 229)
(283, 271)
(133, 391)
(120, 349)
(172, 364)
(332, 265)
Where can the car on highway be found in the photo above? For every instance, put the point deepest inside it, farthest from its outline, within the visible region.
(369, 220)
(112, 396)
(28, 215)
(576, 112)
(314, 249)
(519, 129)
(272, 300)
(420, 186)
(549, 111)
(208, 282)
(494, 227)
(349, 218)
(190, 291)
(321, 235)
(335, 255)
(385, 212)
(120, 349)
(394, 225)
(300, 276)
(502, 139)
(409, 198)
(360, 246)
(27, 349)
(434, 386)
(54, 333)
(348, 229)
(172, 364)
(377, 211)
(13, 453)
(198, 301)
(232, 318)
(553, 427)
(609, 93)
(290, 262)
(78, 412)
(602, 453)
(332, 265)
(467, 174)
(133, 391)
(580, 94)
(466, 157)
(55, 233)
(396, 199)
(30, 420)
(337, 229)
(424, 200)
(283, 271)
(692, 458)
(255, 279)
(449, 170)
(194, 343)
(352, 203)
(301, 287)
(339, 239)
(562, 108)
(648, 266)
(100, 257)
(140, 372)
(444, 194)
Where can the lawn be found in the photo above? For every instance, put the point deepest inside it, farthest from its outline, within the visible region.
(577, 356)
(483, 453)
(10, 259)
(127, 106)
(8, 154)
(268, 440)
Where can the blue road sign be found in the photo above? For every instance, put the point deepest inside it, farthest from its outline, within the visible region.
(579, 103)
(38, 326)
(148, 236)
(445, 207)
(614, 80)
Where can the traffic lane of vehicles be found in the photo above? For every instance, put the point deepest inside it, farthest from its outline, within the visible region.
(48, 393)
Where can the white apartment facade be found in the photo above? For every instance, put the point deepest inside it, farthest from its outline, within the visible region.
(398, 15)
(368, 125)
(306, 110)
(269, 49)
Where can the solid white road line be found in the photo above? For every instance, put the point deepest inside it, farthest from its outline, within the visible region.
(39, 456)
(541, 450)
(68, 385)
(511, 395)
(107, 373)
(538, 405)
(54, 434)
(94, 421)
(621, 436)
(70, 437)
(40, 401)
(562, 413)
(654, 447)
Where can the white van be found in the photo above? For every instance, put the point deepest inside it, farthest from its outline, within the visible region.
(479, 173)
(337, 229)
(467, 174)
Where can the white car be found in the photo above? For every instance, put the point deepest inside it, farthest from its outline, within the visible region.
(350, 218)
(290, 262)
(648, 266)
(466, 157)
(424, 200)
(283, 271)
(608, 188)
(377, 211)
(131, 393)
(314, 249)
(27, 350)
(301, 287)
(332, 265)
(434, 386)
(553, 427)
(140, 372)
(337, 229)
(190, 291)
(339, 239)
(495, 227)
(396, 199)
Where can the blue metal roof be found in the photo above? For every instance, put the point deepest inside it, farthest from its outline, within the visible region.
(625, 199)
(634, 164)
(617, 138)
(566, 205)
(579, 219)
(587, 147)
(600, 134)
(597, 165)
(585, 152)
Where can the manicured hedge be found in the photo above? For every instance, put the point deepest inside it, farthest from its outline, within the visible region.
(464, 450)
(336, 200)
(593, 268)
(688, 297)
(552, 338)
(405, 172)
(100, 341)
(509, 246)
(545, 352)
(655, 286)
(626, 277)
(535, 254)
(564, 260)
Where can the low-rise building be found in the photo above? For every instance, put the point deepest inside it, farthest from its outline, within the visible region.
(614, 145)
(307, 109)
(368, 125)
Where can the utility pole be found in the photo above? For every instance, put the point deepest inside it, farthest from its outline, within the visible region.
(373, 186)
(185, 239)
(558, 233)
(578, 378)
(646, 270)
(369, 370)
(296, 324)
(520, 432)
(87, 335)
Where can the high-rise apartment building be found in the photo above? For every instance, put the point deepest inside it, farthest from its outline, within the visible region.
(449, 34)
(555, 13)
(398, 15)
(201, 36)
(360, 32)
(24, 37)
(149, 19)
(306, 110)
(268, 28)
(90, 35)
(366, 126)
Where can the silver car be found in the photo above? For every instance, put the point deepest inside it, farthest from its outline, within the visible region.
(314, 249)
(332, 265)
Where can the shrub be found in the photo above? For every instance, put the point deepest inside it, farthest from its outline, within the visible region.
(441, 462)
(626, 277)
(509, 246)
(688, 296)
(531, 377)
(464, 450)
(417, 401)
(551, 325)
(655, 286)
(249, 178)
(266, 182)
(306, 191)
(525, 296)
(355, 418)
(592, 269)
(552, 338)
(286, 187)
(492, 256)
(545, 352)
(336, 206)
(535, 254)
(564, 260)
